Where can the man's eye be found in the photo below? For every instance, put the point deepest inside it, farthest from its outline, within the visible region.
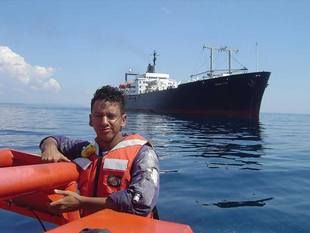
(111, 117)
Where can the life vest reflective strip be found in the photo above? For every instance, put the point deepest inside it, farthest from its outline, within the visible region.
(115, 169)
(130, 142)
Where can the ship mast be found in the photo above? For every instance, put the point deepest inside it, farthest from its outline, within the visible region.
(229, 56)
(221, 49)
(211, 57)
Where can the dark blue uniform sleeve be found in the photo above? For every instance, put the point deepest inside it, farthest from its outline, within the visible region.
(69, 147)
(141, 196)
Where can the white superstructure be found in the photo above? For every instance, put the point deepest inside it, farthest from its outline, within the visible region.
(148, 82)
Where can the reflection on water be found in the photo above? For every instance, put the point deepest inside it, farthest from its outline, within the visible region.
(222, 143)
(233, 204)
(198, 154)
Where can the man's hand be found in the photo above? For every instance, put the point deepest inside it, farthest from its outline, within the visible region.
(71, 201)
(50, 152)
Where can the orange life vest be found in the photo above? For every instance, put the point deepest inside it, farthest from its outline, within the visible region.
(114, 170)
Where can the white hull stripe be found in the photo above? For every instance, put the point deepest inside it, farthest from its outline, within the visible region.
(132, 142)
(115, 164)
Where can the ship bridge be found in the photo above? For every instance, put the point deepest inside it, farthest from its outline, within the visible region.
(149, 82)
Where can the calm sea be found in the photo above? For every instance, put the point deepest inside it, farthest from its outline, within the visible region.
(216, 176)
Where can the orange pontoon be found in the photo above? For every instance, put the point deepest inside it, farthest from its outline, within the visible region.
(27, 187)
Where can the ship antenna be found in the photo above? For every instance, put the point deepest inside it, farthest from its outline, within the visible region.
(256, 57)
(154, 58)
(155, 55)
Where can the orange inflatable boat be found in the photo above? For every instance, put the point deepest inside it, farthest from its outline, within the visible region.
(27, 187)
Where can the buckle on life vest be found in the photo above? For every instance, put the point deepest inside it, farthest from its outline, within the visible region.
(88, 150)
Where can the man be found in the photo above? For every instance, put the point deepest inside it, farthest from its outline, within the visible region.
(119, 172)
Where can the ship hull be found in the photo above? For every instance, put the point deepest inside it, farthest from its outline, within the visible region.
(234, 96)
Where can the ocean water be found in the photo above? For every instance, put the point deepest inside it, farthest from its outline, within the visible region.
(216, 175)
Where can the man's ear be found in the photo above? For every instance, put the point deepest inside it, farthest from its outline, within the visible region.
(124, 120)
(90, 121)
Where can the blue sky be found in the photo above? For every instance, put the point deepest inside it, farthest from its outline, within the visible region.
(60, 52)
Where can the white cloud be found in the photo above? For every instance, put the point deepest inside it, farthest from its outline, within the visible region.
(14, 68)
(52, 83)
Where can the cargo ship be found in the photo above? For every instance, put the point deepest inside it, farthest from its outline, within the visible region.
(232, 93)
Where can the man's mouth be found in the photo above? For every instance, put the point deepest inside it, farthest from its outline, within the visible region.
(105, 130)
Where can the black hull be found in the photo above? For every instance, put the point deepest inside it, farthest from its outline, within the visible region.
(236, 96)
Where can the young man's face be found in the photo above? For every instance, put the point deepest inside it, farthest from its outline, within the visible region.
(107, 120)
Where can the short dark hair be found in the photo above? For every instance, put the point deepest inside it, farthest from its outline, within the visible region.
(111, 94)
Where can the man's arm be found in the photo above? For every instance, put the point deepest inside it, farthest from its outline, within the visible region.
(50, 152)
(141, 196)
(60, 148)
(73, 201)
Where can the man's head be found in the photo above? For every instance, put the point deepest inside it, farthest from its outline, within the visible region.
(110, 94)
(107, 116)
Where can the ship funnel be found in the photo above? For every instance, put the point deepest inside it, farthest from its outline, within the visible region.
(150, 69)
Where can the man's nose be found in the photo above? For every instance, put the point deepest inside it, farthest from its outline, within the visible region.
(104, 120)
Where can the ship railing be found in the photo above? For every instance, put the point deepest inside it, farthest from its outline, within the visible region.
(216, 73)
